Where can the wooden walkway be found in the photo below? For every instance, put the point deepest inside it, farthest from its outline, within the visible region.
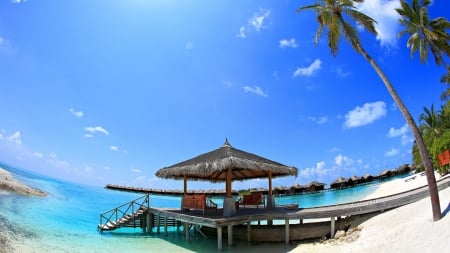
(214, 219)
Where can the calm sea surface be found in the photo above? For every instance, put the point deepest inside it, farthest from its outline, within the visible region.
(66, 220)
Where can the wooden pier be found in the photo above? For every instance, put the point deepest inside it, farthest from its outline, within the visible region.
(164, 217)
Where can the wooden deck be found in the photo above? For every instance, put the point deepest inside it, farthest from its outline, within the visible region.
(215, 219)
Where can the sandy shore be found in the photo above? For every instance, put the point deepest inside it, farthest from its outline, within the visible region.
(405, 229)
(9, 183)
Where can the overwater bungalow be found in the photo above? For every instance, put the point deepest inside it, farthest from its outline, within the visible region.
(367, 178)
(315, 186)
(354, 180)
(297, 189)
(281, 191)
(339, 183)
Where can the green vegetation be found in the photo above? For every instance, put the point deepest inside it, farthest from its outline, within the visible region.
(435, 129)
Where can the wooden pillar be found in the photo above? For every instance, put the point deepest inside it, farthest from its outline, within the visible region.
(249, 231)
(158, 221)
(186, 230)
(270, 183)
(165, 226)
(333, 226)
(150, 223)
(286, 231)
(228, 182)
(219, 238)
(230, 234)
(185, 184)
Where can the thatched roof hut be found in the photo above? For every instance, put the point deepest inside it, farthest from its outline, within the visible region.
(297, 189)
(339, 183)
(367, 177)
(227, 164)
(315, 186)
(213, 166)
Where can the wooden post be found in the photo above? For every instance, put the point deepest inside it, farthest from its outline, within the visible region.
(158, 221)
(333, 226)
(228, 182)
(249, 232)
(219, 238)
(165, 226)
(149, 228)
(270, 183)
(286, 231)
(230, 234)
(185, 184)
(150, 223)
(186, 230)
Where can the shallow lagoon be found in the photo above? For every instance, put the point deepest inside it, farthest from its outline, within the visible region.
(66, 220)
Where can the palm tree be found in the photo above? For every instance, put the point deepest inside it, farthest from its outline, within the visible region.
(431, 128)
(424, 34)
(330, 15)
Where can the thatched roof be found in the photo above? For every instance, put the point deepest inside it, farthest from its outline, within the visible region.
(315, 183)
(339, 181)
(212, 166)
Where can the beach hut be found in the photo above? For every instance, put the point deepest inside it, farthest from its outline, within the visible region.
(385, 174)
(315, 186)
(297, 189)
(339, 183)
(227, 164)
(367, 178)
(354, 180)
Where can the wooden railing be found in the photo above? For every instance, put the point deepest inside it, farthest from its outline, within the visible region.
(131, 208)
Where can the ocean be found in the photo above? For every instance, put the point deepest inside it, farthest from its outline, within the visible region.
(66, 220)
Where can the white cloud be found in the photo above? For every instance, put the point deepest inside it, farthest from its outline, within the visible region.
(341, 73)
(136, 170)
(366, 114)
(242, 33)
(383, 11)
(391, 152)
(319, 120)
(310, 70)
(97, 129)
(256, 90)
(407, 140)
(398, 132)
(316, 172)
(38, 154)
(15, 137)
(18, 1)
(341, 161)
(288, 43)
(88, 136)
(114, 148)
(78, 114)
(255, 23)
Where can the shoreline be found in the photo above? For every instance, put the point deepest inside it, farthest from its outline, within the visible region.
(10, 184)
(408, 228)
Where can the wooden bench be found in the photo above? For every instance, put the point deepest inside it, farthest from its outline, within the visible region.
(254, 198)
(197, 202)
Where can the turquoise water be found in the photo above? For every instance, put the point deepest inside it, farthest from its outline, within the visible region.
(66, 220)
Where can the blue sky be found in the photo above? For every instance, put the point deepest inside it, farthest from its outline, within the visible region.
(101, 92)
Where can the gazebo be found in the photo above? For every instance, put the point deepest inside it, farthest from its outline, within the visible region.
(228, 164)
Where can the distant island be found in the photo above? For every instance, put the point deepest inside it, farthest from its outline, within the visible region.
(9, 183)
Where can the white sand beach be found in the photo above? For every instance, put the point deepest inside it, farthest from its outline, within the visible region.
(9, 183)
(405, 229)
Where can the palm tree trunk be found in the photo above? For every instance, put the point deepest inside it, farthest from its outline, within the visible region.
(426, 160)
